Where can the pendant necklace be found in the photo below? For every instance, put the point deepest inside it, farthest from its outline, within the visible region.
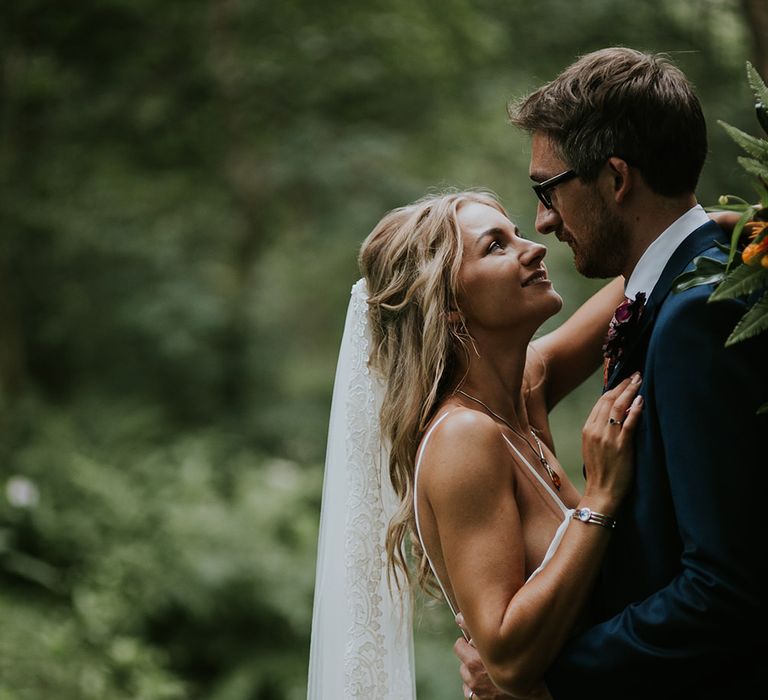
(544, 463)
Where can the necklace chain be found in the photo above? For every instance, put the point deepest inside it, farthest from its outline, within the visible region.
(544, 463)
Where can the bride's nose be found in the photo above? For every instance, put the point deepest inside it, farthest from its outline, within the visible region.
(533, 254)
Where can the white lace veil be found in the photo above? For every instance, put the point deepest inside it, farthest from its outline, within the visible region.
(362, 637)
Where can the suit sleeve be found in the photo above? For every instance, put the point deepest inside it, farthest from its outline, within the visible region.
(704, 397)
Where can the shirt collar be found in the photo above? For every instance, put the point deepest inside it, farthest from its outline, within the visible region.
(653, 261)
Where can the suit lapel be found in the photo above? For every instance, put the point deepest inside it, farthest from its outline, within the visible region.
(703, 238)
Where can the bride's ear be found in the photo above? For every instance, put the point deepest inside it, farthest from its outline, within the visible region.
(454, 316)
(622, 178)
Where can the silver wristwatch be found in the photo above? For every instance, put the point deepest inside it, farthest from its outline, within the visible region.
(587, 515)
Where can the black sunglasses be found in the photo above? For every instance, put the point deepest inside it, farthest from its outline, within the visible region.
(543, 189)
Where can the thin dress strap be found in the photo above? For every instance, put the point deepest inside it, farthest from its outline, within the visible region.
(555, 497)
(416, 509)
(567, 512)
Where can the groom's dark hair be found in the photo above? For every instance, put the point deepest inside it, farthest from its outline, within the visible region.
(625, 103)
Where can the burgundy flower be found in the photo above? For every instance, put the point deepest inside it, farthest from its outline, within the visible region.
(623, 325)
(624, 312)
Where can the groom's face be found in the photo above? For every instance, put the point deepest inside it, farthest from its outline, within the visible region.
(579, 216)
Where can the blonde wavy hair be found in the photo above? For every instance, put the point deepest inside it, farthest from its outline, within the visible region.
(411, 263)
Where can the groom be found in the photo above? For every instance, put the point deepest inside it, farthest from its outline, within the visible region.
(618, 142)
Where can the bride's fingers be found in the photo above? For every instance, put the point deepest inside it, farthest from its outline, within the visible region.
(625, 398)
(633, 416)
(463, 625)
(599, 413)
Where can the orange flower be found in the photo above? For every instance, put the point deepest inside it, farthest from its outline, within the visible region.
(754, 253)
(755, 228)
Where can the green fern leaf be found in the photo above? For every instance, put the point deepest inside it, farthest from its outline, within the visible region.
(753, 322)
(754, 146)
(754, 167)
(757, 84)
(742, 280)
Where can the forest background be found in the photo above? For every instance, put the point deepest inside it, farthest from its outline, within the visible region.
(185, 186)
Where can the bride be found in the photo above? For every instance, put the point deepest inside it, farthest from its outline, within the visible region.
(439, 436)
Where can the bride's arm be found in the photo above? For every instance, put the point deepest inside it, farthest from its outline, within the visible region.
(518, 626)
(573, 351)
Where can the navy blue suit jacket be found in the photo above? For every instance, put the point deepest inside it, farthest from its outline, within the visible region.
(679, 608)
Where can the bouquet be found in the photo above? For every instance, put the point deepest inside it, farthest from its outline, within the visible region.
(745, 273)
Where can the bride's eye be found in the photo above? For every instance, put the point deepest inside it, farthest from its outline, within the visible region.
(496, 245)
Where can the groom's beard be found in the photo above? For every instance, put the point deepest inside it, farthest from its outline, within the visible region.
(603, 252)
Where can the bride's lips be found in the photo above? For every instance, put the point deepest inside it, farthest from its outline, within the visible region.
(536, 278)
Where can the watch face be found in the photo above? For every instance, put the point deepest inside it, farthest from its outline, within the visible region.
(583, 514)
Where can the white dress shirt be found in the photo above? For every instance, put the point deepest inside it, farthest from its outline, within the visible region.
(656, 256)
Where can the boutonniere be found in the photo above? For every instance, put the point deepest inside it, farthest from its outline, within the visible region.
(623, 325)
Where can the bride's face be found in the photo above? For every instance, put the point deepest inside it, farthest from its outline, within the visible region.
(503, 282)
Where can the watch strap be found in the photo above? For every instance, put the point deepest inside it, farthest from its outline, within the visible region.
(587, 515)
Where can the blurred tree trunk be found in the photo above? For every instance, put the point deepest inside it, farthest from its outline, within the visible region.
(12, 364)
(756, 12)
(244, 173)
(12, 356)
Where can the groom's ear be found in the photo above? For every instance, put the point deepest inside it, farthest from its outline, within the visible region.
(622, 178)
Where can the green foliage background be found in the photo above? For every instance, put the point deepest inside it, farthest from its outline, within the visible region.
(184, 189)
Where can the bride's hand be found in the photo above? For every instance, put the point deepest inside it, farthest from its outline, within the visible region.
(728, 219)
(477, 684)
(607, 443)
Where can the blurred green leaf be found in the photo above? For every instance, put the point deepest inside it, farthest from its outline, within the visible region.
(742, 280)
(705, 271)
(753, 322)
(754, 167)
(754, 146)
(757, 85)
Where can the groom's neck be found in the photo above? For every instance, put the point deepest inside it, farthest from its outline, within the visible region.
(649, 216)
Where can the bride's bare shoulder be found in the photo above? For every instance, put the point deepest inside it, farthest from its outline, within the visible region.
(459, 424)
(465, 451)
